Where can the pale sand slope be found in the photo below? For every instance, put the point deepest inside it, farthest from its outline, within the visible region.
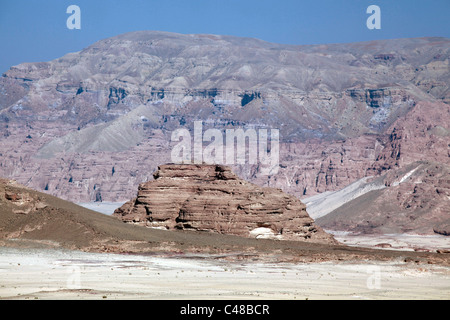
(62, 274)
(102, 207)
(322, 204)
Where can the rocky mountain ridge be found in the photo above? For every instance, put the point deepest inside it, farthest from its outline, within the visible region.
(94, 124)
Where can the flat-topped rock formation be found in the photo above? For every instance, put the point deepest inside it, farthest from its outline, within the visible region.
(212, 198)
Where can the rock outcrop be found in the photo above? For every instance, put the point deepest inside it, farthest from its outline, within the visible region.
(213, 198)
(23, 202)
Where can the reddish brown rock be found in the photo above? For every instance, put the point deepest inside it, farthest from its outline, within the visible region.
(212, 198)
(20, 202)
(422, 134)
(11, 196)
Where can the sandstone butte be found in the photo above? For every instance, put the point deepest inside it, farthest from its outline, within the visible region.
(212, 198)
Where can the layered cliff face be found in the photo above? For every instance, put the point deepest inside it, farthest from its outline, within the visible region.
(422, 134)
(213, 198)
(94, 124)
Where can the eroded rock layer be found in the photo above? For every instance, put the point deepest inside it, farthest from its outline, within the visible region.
(212, 198)
(94, 124)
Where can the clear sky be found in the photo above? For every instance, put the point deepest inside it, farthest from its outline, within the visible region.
(35, 30)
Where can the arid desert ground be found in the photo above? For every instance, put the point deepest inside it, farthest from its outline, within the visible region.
(62, 274)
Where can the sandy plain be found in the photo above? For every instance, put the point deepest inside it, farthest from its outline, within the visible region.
(68, 274)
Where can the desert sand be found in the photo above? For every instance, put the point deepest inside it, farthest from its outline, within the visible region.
(66, 274)
(102, 207)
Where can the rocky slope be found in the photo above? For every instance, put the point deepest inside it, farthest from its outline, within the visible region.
(414, 199)
(409, 187)
(212, 198)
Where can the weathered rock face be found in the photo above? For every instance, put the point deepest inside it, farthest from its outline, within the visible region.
(19, 202)
(422, 134)
(344, 111)
(414, 199)
(212, 198)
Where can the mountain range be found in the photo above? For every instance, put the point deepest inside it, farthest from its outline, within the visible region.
(93, 125)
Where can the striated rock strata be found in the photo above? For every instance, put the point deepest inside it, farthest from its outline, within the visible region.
(213, 198)
(93, 124)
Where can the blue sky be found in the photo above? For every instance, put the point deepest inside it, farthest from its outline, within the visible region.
(35, 30)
